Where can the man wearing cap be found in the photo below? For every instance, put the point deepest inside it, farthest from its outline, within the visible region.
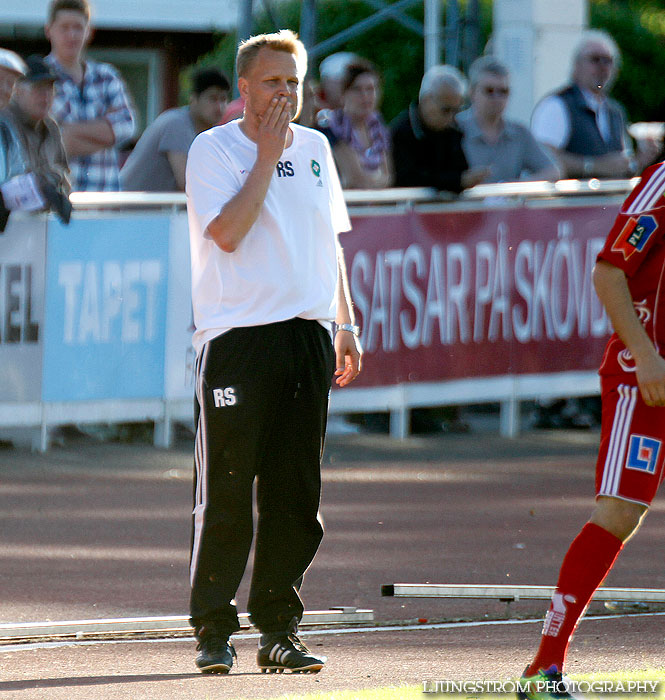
(11, 67)
(33, 164)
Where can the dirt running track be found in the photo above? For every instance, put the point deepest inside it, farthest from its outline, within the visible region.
(94, 530)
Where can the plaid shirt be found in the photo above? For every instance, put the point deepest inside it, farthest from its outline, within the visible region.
(102, 94)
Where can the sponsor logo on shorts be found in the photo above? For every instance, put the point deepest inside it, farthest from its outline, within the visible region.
(634, 235)
(224, 397)
(643, 453)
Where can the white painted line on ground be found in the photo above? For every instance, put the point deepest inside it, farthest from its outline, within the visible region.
(164, 625)
(308, 633)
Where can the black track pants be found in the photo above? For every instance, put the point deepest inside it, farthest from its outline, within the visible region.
(261, 408)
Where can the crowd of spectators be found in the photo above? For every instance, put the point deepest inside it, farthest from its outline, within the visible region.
(454, 136)
(64, 117)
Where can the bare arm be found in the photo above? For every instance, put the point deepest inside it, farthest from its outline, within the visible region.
(354, 176)
(616, 164)
(550, 174)
(84, 138)
(474, 176)
(612, 289)
(647, 151)
(238, 215)
(348, 352)
(178, 162)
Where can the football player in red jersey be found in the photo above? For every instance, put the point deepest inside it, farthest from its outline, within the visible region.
(628, 277)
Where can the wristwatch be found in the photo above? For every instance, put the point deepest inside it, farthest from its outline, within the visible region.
(349, 327)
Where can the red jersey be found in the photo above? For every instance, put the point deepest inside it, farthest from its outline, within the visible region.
(636, 245)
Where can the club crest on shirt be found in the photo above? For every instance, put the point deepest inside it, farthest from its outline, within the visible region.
(634, 235)
(316, 168)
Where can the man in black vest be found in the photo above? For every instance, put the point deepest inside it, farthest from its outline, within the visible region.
(582, 125)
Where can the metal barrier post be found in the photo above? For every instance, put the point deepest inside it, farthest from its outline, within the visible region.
(509, 418)
(399, 422)
(163, 430)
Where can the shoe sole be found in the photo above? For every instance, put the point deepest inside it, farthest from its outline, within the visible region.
(313, 668)
(215, 668)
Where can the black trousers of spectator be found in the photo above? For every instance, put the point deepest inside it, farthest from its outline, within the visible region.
(261, 410)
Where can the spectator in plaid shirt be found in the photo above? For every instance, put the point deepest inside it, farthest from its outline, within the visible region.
(92, 105)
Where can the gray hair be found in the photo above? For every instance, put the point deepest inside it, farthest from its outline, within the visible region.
(598, 36)
(487, 64)
(442, 75)
(334, 66)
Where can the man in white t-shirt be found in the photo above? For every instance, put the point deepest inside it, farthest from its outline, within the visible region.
(265, 206)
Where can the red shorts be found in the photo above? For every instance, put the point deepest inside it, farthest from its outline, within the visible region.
(632, 444)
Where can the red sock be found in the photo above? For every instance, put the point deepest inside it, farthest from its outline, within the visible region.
(587, 562)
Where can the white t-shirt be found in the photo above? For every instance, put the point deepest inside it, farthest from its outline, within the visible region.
(286, 266)
(550, 121)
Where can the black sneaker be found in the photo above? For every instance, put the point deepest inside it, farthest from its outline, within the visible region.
(285, 652)
(216, 654)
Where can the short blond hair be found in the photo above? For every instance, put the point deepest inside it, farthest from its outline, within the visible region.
(81, 6)
(284, 40)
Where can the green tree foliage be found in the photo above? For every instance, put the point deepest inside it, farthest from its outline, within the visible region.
(638, 27)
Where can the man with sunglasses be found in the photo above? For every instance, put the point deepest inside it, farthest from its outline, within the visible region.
(582, 125)
(427, 145)
(507, 148)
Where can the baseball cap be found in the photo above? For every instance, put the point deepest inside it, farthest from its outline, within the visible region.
(12, 61)
(38, 70)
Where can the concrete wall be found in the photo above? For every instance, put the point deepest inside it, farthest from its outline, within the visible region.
(536, 39)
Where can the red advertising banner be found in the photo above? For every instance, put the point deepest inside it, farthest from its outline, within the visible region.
(458, 294)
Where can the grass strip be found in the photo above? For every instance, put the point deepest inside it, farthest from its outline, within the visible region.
(405, 692)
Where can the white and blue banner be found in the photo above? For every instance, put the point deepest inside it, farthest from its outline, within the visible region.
(105, 315)
(22, 308)
(180, 357)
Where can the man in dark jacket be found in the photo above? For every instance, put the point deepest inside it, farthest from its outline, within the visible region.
(427, 146)
(33, 164)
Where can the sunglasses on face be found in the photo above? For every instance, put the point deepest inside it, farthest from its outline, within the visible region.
(491, 91)
(600, 59)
